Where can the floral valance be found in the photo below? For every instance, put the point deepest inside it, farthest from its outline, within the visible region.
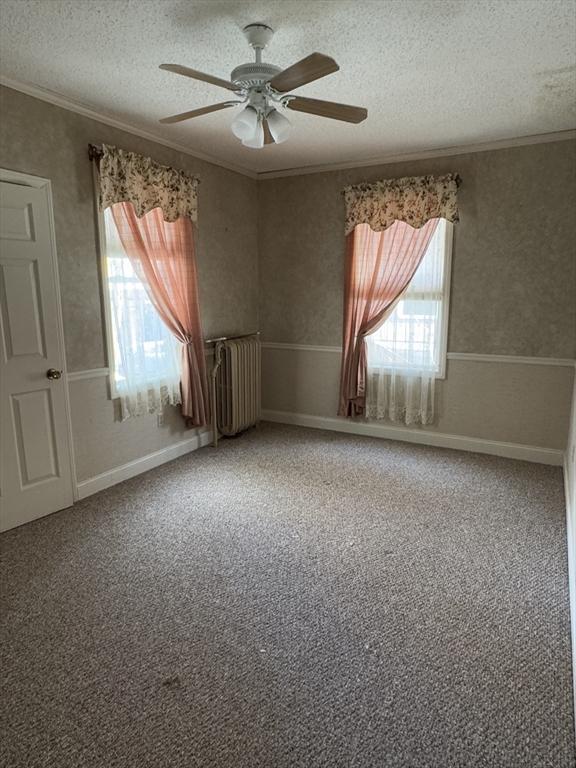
(415, 200)
(129, 177)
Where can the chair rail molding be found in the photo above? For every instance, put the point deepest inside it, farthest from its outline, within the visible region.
(465, 356)
(97, 373)
(91, 373)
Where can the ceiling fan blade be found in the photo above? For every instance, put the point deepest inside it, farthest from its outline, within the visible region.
(268, 138)
(196, 112)
(304, 71)
(187, 72)
(329, 109)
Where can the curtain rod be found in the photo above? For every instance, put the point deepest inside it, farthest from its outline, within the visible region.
(95, 152)
(229, 338)
(362, 184)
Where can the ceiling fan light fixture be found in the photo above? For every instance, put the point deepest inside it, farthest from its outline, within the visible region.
(244, 125)
(264, 89)
(256, 141)
(279, 125)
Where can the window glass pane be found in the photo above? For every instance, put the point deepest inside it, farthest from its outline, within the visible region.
(429, 276)
(415, 308)
(411, 337)
(145, 352)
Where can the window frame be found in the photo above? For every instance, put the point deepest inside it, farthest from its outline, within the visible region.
(445, 297)
(448, 244)
(106, 305)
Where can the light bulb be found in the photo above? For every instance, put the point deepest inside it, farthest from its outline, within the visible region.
(279, 125)
(245, 124)
(256, 141)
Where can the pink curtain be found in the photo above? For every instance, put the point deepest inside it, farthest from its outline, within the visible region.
(163, 256)
(379, 266)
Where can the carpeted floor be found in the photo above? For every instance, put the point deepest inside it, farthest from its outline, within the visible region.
(297, 598)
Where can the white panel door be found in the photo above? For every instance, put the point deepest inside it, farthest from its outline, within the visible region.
(35, 467)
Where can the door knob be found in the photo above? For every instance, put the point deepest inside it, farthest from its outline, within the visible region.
(52, 373)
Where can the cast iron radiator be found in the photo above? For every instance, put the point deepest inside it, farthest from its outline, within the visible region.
(236, 385)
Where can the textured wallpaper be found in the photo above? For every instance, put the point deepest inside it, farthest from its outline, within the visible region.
(41, 139)
(514, 260)
(519, 403)
(513, 281)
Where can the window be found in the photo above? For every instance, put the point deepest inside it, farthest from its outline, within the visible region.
(413, 338)
(144, 356)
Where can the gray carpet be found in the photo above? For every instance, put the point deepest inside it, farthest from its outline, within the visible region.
(297, 598)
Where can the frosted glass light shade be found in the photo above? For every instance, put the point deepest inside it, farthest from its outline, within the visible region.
(257, 140)
(244, 125)
(279, 125)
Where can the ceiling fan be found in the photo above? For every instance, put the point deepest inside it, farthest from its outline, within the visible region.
(263, 88)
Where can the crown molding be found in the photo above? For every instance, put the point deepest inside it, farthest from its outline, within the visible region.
(463, 149)
(73, 106)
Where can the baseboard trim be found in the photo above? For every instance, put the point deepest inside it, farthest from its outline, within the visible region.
(438, 439)
(150, 461)
(571, 545)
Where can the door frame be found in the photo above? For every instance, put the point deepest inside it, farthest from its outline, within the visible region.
(27, 180)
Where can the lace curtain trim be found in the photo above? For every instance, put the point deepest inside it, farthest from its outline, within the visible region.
(399, 397)
(132, 178)
(413, 199)
(150, 399)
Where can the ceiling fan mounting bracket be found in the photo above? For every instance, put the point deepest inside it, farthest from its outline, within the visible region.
(258, 35)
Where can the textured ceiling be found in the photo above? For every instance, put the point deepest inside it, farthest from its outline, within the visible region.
(432, 73)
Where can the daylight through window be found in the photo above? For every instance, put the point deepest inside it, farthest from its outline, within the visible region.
(145, 354)
(413, 338)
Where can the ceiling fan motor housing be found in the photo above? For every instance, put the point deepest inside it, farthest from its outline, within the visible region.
(253, 74)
